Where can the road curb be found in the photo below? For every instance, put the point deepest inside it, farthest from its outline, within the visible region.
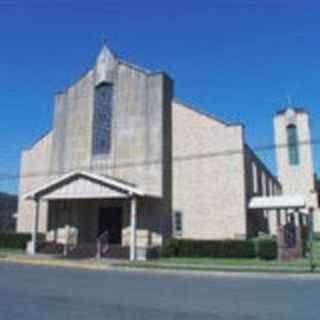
(55, 263)
(221, 272)
(160, 270)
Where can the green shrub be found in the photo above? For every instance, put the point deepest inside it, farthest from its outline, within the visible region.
(208, 248)
(305, 239)
(316, 235)
(169, 249)
(266, 247)
(16, 240)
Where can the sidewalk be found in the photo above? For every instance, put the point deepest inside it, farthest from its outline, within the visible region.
(54, 261)
(111, 264)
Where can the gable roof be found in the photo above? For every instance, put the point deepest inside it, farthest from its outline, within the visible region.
(95, 181)
(206, 114)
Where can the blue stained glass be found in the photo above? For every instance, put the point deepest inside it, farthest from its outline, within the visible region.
(102, 120)
(293, 145)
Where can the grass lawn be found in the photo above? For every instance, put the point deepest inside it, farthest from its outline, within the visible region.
(7, 251)
(245, 261)
(231, 263)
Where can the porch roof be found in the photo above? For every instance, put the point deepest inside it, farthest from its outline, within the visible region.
(296, 201)
(84, 185)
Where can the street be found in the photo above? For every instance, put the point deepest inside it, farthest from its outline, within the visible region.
(29, 292)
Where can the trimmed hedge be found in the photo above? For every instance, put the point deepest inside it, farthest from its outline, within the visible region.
(316, 235)
(16, 240)
(266, 247)
(208, 248)
(170, 248)
(305, 239)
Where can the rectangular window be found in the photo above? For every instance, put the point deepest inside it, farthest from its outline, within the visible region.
(177, 223)
(274, 189)
(270, 193)
(293, 145)
(263, 184)
(255, 177)
(102, 119)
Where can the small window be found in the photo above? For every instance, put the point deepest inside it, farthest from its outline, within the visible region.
(293, 147)
(274, 189)
(264, 184)
(62, 206)
(270, 190)
(177, 223)
(255, 177)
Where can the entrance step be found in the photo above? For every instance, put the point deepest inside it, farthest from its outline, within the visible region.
(89, 250)
(50, 248)
(85, 250)
(117, 252)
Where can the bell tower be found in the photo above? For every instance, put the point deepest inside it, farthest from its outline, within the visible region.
(294, 154)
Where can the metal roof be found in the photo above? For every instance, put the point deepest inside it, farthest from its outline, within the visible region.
(296, 201)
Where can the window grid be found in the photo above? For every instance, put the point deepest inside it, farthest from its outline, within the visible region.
(293, 147)
(177, 223)
(255, 177)
(102, 120)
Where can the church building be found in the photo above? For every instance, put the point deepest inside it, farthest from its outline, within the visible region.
(128, 159)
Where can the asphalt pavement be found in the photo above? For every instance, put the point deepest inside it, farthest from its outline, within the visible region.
(39, 292)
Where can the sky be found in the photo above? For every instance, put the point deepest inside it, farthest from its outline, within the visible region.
(236, 59)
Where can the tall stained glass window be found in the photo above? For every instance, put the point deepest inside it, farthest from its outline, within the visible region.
(102, 119)
(293, 145)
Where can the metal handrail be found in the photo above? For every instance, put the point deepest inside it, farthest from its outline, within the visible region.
(102, 237)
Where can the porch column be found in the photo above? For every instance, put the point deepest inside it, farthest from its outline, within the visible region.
(278, 218)
(35, 226)
(133, 227)
(279, 234)
(300, 217)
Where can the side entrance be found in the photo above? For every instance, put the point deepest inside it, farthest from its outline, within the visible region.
(110, 219)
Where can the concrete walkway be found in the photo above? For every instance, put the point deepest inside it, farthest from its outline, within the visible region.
(47, 260)
(113, 264)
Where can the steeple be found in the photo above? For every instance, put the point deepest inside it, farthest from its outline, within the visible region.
(106, 51)
(294, 153)
(289, 101)
(106, 63)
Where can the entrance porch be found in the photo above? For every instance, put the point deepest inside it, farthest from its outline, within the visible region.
(88, 210)
(288, 214)
(91, 218)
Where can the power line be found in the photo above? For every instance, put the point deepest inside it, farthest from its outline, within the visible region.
(199, 156)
